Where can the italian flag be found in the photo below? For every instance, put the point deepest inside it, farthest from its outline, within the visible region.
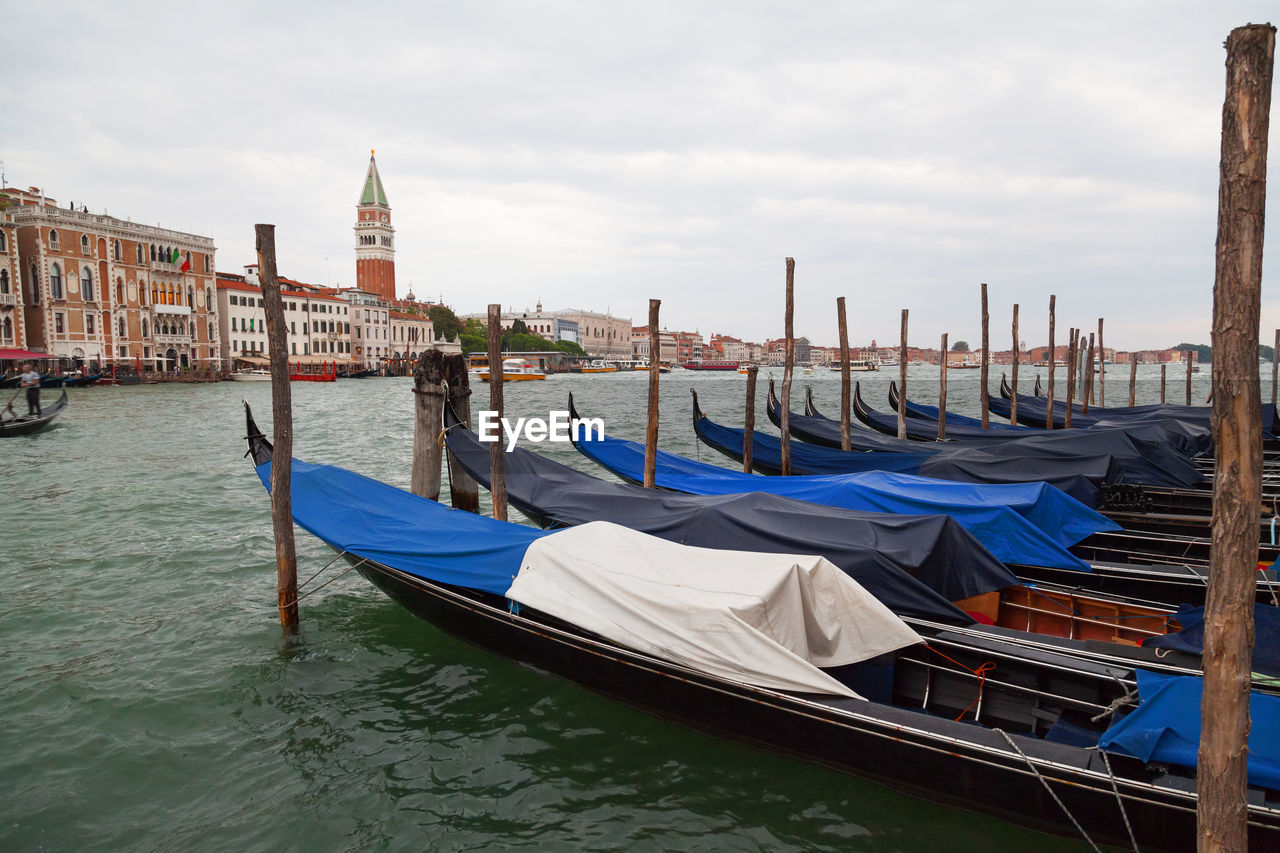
(176, 257)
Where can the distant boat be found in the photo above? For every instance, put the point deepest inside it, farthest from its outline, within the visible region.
(710, 365)
(27, 424)
(857, 366)
(598, 365)
(516, 370)
(251, 375)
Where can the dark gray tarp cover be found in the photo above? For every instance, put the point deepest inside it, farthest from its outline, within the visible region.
(915, 565)
(1033, 410)
(1140, 454)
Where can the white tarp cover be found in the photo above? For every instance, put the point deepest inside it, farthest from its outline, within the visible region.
(764, 619)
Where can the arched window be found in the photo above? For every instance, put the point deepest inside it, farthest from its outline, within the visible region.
(55, 281)
(120, 323)
(153, 251)
(4, 281)
(155, 294)
(7, 329)
(116, 250)
(86, 284)
(141, 259)
(34, 284)
(208, 299)
(53, 239)
(191, 296)
(3, 240)
(170, 297)
(84, 244)
(210, 331)
(119, 291)
(144, 328)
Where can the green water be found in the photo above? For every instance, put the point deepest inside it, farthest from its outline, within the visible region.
(148, 702)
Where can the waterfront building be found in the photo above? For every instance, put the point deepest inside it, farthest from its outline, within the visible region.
(601, 335)
(318, 323)
(731, 349)
(98, 290)
(12, 328)
(370, 328)
(375, 238)
(546, 325)
(640, 345)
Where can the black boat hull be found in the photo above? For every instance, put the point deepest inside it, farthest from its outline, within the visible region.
(27, 426)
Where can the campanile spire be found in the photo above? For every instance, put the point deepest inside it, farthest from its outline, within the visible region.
(375, 238)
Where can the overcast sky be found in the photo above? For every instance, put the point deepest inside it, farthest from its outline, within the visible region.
(595, 155)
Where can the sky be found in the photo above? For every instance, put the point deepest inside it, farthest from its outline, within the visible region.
(597, 155)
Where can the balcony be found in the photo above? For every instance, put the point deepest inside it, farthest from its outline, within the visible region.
(8, 299)
(171, 339)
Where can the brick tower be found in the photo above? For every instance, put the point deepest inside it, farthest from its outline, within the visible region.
(375, 238)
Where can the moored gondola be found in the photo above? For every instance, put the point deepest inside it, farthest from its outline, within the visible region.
(1017, 745)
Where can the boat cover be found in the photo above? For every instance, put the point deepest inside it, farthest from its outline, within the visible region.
(390, 526)
(915, 564)
(984, 511)
(1035, 410)
(767, 619)
(1165, 728)
(1266, 636)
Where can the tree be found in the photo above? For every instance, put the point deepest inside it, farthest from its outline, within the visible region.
(445, 321)
(519, 327)
(960, 346)
(1205, 352)
(473, 343)
(570, 348)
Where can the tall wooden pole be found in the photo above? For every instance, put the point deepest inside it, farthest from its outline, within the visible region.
(749, 422)
(942, 392)
(982, 374)
(428, 420)
(464, 492)
(845, 438)
(1133, 378)
(1275, 361)
(651, 424)
(902, 380)
(1164, 367)
(1072, 358)
(1086, 394)
(497, 449)
(1237, 432)
(1102, 368)
(1052, 358)
(1013, 370)
(1188, 353)
(282, 431)
(788, 367)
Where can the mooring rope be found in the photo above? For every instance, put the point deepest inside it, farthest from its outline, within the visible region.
(980, 673)
(1052, 793)
(1126, 699)
(1115, 788)
(326, 583)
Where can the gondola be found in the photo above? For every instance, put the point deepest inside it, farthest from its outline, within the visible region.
(83, 381)
(27, 424)
(929, 414)
(1147, 565)
(1024, 747)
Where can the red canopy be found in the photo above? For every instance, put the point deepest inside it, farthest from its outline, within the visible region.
(22, 355)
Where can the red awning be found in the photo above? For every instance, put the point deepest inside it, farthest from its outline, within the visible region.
(22, 355)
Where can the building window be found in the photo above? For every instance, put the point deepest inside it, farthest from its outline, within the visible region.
(3, 241)
(293, 347)
(153, 251)
(55, 281)
(155, 294)
(206, 263)
(53, 239)
(119, 291)
(211, 331)
(191, 296)
(84, 244)
(89, 324)
(233, 325)
(4, 281)
(208, 299)
(141, 259)
(58, 323)
(7, 329)
(120, 325)
(142, 293)
(144, 328)
(116, 253)
(86, 284)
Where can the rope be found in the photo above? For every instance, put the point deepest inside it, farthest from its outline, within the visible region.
(326, 583)
(980, 673)
(1119, 801)
(1126, 699)
(1266, 581)
(1045, 783)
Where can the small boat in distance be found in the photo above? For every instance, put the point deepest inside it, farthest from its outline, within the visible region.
(256, 374)
(858, 366)
(516, 370)
(710, 365)
(599, 365)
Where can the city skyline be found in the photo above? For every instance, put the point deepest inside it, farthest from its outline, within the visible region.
(527, 155)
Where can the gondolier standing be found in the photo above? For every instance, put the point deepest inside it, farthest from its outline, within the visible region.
(31, 381)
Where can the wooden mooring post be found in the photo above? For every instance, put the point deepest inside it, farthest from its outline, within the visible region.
(497, 449)
(1164, 367)
(788, 367)
(439, 379)
(749, 420)
(1086, 393)
(464, 492)
(902, 380)
(651, 419)
(1237, 430)
(1072, 367)
(1275, 362)
(984, 393)
(942, 392)
(1052, 359)
(842, 322)
(1013, 370)
(282, 431)
(1133, 378)
(1102, 368)
(1188, 354)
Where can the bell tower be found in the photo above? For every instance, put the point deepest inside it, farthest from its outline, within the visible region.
(375, 238)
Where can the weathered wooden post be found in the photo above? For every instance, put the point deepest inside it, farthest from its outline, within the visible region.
(982, 374)
(282, 431)
(1237, 430)
(749, 422)
(651, 423)
(1072, 367)
(1052, 358)
(1188, 354)
(1275, 360)
(1013, 370)
(464, 492)
(902, 380)
(1133, 378)
(1102, 368)
(428, 420)
(845, 438)
(788, 367)
(1086, 394)
(1163, 369)
(942, 392)
(497, 449)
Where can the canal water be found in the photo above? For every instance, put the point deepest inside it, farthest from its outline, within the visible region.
(148, 701)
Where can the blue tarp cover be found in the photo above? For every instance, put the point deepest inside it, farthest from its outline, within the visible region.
(1266, 636)
(401, 530)
(988, 512)
(1165, 728)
